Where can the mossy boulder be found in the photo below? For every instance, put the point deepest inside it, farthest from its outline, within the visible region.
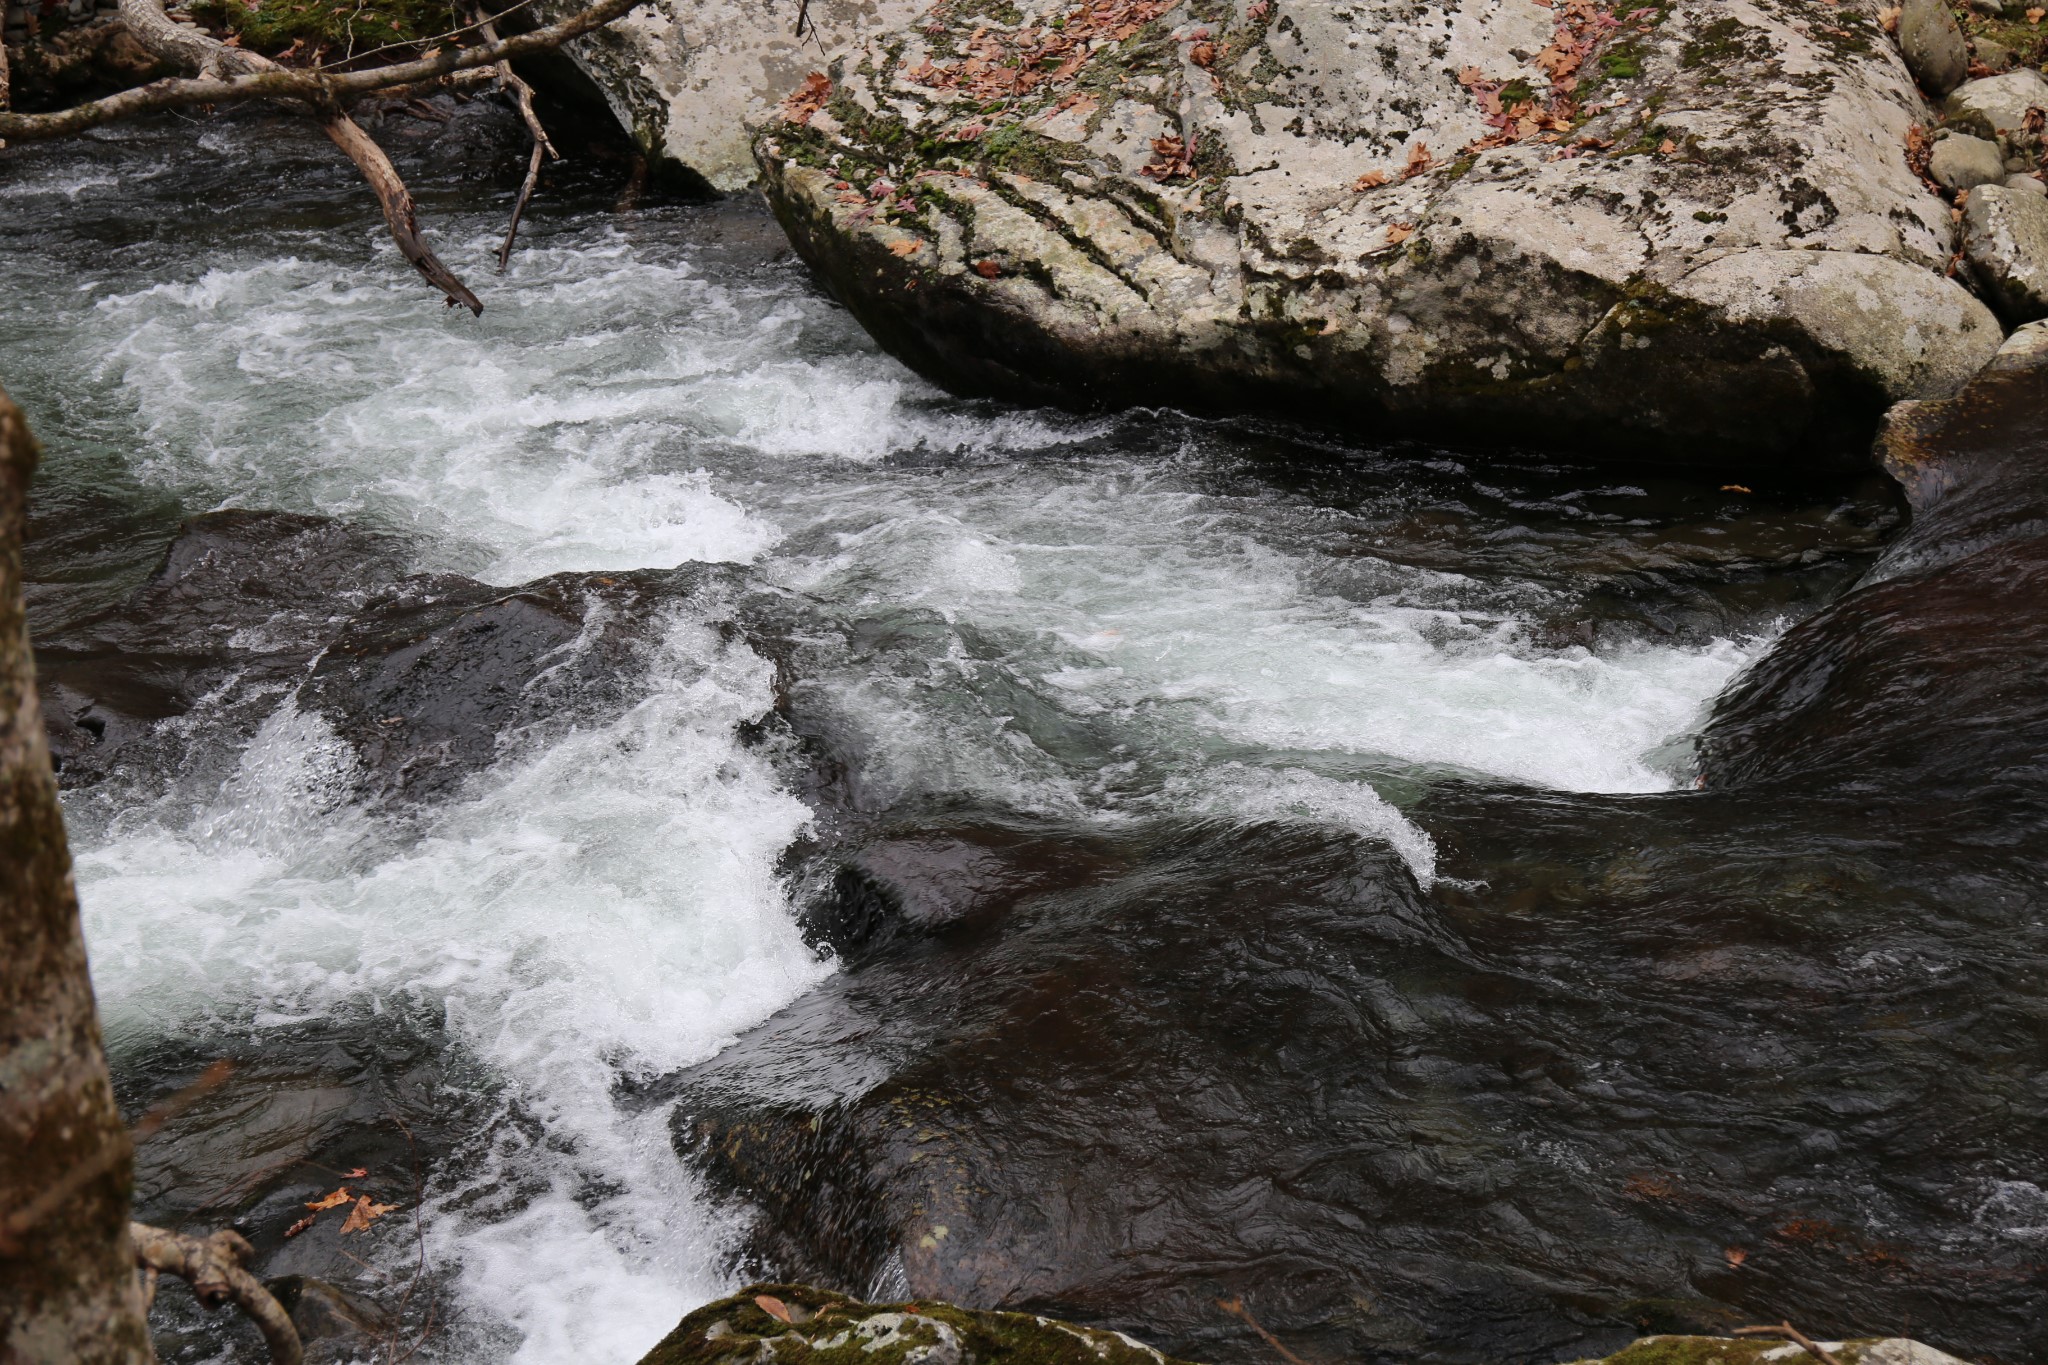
(798, 1324)
(795, 1324)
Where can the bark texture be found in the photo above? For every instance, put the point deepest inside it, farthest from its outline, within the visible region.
(68, 1289)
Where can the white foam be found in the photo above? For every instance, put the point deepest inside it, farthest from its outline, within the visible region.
(570, 930)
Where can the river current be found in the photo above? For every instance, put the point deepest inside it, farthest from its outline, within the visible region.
(1117, 617)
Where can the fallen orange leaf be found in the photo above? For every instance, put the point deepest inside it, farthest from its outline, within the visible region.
(1666, 147)
(773, 1307)
(331, 1201)
(1398, 233)
(364, 1214)
(1733, 488)
(358, 1173)
(906, 246)
(1736, 1256)
(300, 1226)
(1371, 180)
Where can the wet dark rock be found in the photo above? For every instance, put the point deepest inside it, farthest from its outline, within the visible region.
(797, 1323)
(334, 1324)
(1933, 677)
(78, 63)
(240, 597)
(1633, 1064)
(428, 677)
(434, 679)
(1259, 1063)
(1933, 45)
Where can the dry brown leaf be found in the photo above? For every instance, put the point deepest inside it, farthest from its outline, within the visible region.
(300, 1226)
(1418, 161)
(1888, 18)
(988, 270)
(1398, 233)
(364, 1214)
(907, 246)
(1203, 54)
(808, 98)
(2034, 16)
(357, 1174)
(773, 1307)
(1371, 180)
(1733, 488)
(331, 1201)
(1735, 1255)
(1666, 147)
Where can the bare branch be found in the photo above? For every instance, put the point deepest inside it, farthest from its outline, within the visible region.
(217, 1270)
(522, 97)
(315, 85)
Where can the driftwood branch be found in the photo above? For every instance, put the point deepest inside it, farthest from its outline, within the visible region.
(217, 1270)
(285, 83)
(510, 82)
(212, 58)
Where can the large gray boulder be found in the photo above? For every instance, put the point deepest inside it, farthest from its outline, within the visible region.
(2005, 241)
(690, 79)
(1686, 233)
(1933, 45)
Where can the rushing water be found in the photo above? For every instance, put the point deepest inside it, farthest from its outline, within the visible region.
(1114, 616)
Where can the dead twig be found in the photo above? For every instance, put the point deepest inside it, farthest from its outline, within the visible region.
(1236, 1309)
(419, 1236)
(1792, 1334)
(217, 1270)
(522, 99)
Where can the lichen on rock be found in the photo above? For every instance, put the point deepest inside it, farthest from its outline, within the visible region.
(1672, 232)
(794, 1324)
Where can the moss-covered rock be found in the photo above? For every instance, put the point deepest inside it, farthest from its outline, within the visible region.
(794, 1324)
(333, 31)
(797, 1324)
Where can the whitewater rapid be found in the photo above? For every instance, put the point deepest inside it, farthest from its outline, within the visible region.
(609, 906)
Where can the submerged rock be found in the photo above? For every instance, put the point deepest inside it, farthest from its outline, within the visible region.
(1673, 232)
(1933, 45)
(795, 1323)
(240, 603)
(432, 679)
(2005, 242)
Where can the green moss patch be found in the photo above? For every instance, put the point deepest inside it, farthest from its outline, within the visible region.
(343, 28)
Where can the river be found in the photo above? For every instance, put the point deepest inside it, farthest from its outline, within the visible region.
(1099, 619)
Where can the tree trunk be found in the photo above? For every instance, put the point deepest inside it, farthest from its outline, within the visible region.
(68, 1287)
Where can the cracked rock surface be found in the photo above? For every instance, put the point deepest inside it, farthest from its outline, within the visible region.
(1673, 232)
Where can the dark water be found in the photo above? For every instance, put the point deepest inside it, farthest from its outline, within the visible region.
(1176, 859)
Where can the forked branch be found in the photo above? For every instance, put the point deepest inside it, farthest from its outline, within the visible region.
(217, 1270)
